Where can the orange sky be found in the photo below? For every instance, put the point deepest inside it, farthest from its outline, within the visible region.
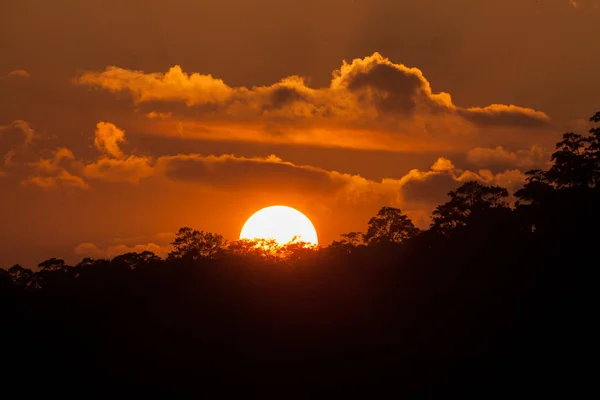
(121, 121)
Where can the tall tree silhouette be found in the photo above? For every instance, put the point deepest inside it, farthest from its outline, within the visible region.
(194, 244)
(573, 162)
(390, 225)
(471, 198)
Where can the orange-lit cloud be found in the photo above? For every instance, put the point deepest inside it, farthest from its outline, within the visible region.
(159, 244)
(107, 139)
(583, 4)
(131, 169)
(7, 160)
(29, 134)
(417, 192)
(370, 103)
(115, 166)
(27, 131)
(18, 73)
(175, 85)
(60, 170)
(422, 191)
(91, 250)
(500, 114)
(499, 158)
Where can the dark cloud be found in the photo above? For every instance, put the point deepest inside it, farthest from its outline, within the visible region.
(501, 115)
(390, 89)
(283, 96)
(247, 174)
(429, 191)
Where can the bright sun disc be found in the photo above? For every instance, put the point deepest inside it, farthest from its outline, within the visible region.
(280, 223)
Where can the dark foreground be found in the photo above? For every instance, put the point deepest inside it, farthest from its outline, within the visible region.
(492, 326)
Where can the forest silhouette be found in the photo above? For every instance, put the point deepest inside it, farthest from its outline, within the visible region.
(496, 298)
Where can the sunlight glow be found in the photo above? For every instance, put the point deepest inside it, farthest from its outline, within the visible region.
(281, 223)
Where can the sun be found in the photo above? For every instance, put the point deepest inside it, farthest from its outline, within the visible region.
(280, 223)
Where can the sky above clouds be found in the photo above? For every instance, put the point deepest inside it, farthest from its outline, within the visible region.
(121, 121)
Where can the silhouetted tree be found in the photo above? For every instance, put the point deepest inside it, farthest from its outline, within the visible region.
(594, 147)
(135, 260)
(471, 197)
(53, 265)
(20, 276)
(6, 282)
(572, 162)
(298, 251)
(390, 225)
(91, 262)
(537, 188)
(566, 185)
(194, 244)
(349, 242)
(270, 249)
(243, 247)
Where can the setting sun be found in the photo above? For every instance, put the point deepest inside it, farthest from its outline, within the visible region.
(280, 223)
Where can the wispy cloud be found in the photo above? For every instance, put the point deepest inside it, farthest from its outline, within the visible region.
(18, 73)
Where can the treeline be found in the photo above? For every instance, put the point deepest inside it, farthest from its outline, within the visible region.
(494, 297)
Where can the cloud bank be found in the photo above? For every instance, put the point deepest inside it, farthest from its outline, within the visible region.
(369, 103)
(417, 192)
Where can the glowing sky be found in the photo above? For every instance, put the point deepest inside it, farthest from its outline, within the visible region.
(121, 121)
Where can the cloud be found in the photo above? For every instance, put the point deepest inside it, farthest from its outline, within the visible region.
(131, 169)
(417, 192)
(56, 163)
(91, 250)
(174, 85)
(229, 172)
(29, 135)
(501, 159)
(161, 115)
(442, 164)
(27, 130)
(107, 139)
(63, 178)
(580, 4)
(56, 171)
(62, 169)
(422, 191)
(370, 102)
(161, 238)
(503, 115)
(121, 167)
(9, 156)
(159, 244)
(18, 73)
